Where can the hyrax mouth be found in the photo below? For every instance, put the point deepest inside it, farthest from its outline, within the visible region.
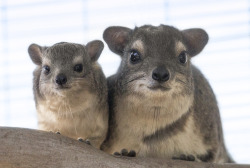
(158, 88)
(62, 87)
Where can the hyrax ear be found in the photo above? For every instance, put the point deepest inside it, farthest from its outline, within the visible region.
(35, 52)
(195, 40)
(94, 49)
(117, 38)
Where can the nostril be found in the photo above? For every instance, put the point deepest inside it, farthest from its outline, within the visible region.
(155, 76)
(165, 77)
(161, 74)
(61, 79)
(64, 80)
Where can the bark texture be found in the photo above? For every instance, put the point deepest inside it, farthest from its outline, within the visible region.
(25, 148)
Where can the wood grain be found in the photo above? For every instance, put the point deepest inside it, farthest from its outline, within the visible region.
(27, 148)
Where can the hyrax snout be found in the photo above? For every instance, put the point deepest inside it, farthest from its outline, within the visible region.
(61, 79)
(160, 74)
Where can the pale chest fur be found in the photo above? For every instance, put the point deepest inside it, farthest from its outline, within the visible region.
(140, 118)
(73, 117)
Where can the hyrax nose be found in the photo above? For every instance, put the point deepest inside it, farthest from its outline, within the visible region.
(160, 74)
(61, 79)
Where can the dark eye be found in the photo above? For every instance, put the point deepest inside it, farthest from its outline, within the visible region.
(78, 68)
(46, 69)
(183, 57)
(135, 57)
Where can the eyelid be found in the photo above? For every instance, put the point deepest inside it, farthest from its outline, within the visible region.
(46, 66)
(135, 50)
(184, 51)
(78, 65)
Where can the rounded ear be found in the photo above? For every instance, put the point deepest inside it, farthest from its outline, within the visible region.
(35, 52)
(94, 49)
(195, 40)
(117, 38)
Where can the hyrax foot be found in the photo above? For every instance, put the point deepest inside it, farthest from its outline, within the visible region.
(57, 132)
(184, 157)
(85, 141)
(124, 152)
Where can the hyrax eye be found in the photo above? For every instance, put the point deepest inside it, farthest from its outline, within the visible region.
(46, 69)
(78, 68)
(135, 57)
(183, 57)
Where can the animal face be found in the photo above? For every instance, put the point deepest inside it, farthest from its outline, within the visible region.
(155, 60)
(65, 67)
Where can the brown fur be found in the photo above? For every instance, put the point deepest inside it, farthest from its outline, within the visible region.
(162, 119)
(77, 109)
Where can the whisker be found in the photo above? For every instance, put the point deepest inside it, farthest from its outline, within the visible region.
(182, 72)
(183, 83)
(77, 79)
(72, 118)
(65, 112)
(59, 109)
(134, 79)
(180, 81)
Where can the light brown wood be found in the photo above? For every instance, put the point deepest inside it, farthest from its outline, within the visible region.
(20, 147)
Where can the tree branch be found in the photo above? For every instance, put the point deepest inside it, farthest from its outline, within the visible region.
(20, 147)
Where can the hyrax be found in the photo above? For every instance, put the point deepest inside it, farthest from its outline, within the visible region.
(160, 103)
(70, 90)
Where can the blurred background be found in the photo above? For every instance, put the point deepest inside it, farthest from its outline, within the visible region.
(225, 61)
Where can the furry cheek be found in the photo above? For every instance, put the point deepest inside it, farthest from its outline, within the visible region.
(79, 84)
(46, 88)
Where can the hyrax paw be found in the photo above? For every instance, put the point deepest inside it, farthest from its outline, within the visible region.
(85, 141)
(124, 152)
(57, 132)
(184, 157)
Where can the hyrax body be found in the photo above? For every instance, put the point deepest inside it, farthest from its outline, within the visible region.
(160, 103)
(70, 90)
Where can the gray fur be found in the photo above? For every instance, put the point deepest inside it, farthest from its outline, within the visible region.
(181, 115)
(78, 108)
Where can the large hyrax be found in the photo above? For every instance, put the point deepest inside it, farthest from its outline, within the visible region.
(160, 103)
(70, 90)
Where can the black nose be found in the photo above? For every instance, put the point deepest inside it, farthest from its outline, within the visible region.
(160, 74)
(61, 79)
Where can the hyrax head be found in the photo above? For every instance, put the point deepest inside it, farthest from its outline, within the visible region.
(65, 66)
(155, 59)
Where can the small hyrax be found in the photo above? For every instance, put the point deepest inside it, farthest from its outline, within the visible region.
(160, 103)
(70, 90)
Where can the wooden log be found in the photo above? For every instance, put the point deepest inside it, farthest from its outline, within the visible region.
(26, 148)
